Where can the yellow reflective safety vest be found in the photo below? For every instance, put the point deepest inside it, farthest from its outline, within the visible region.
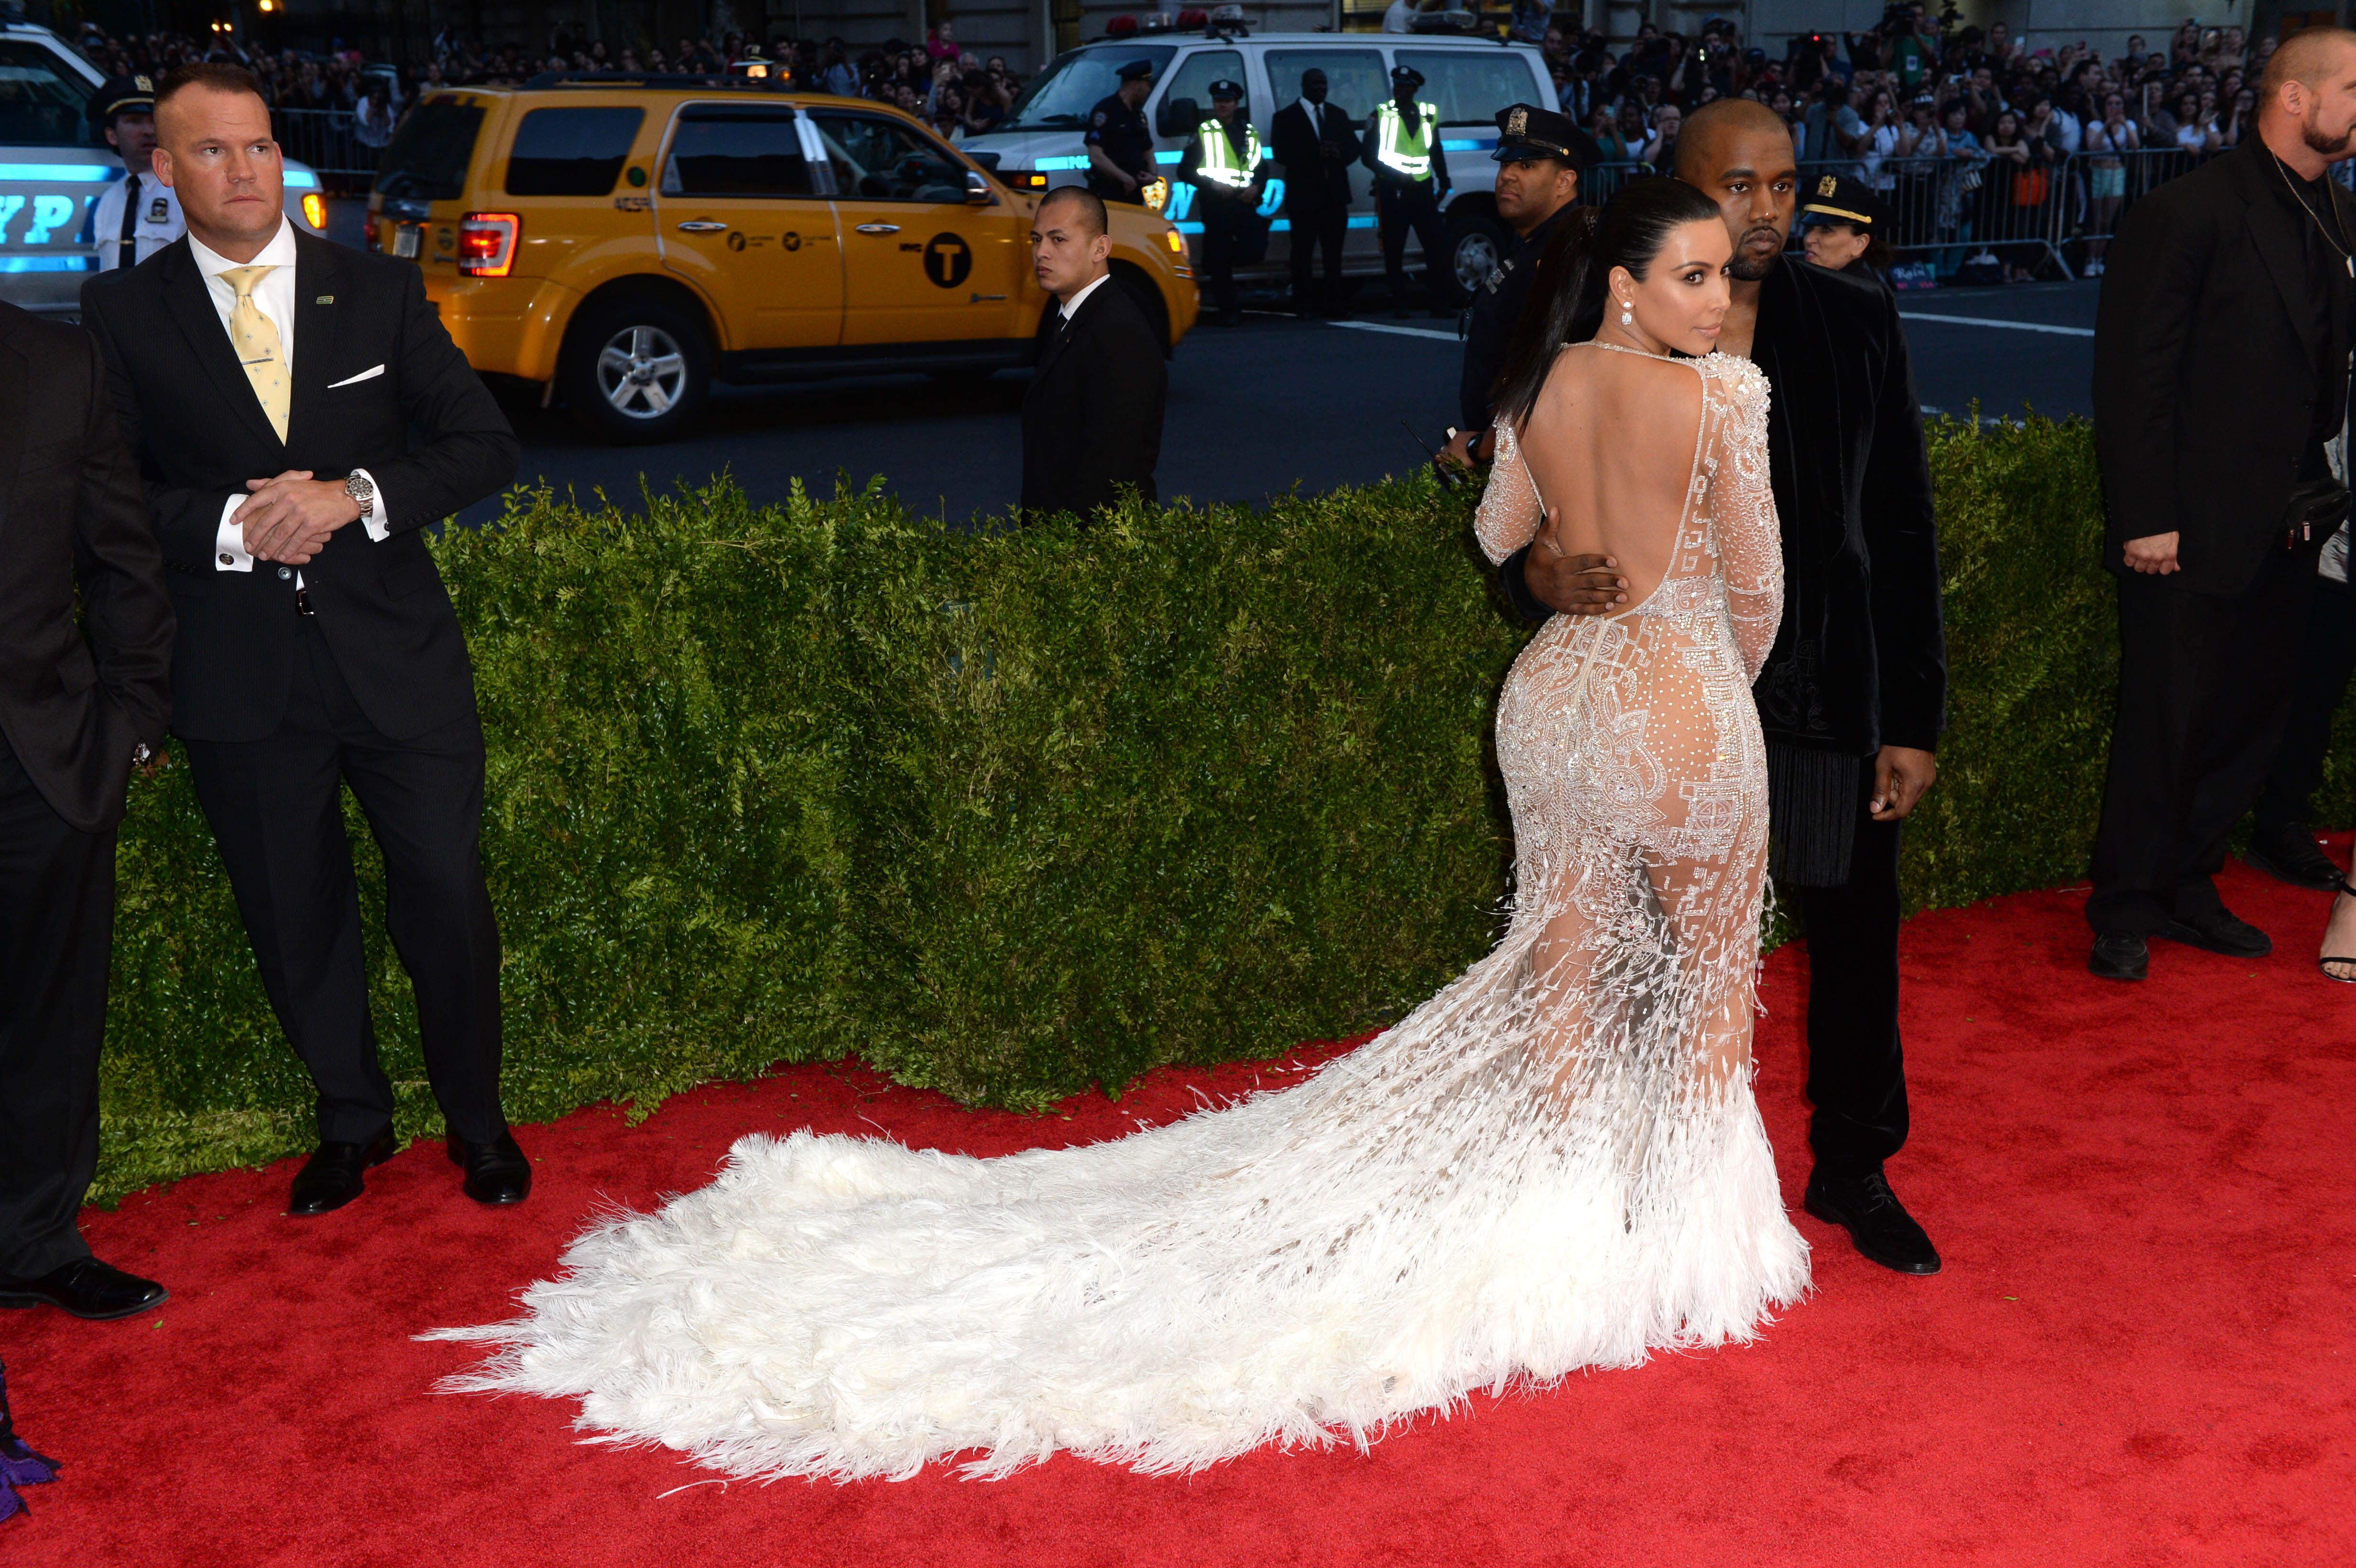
(1218, 163)
(1404, 149)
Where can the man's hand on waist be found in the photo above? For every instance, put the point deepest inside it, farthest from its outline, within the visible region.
(1572, 584)
(289, 517)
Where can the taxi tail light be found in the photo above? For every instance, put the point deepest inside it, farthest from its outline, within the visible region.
(486, 243)
(315, 209)
(1177, 245)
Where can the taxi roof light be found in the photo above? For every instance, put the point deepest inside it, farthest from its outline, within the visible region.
(486, 243)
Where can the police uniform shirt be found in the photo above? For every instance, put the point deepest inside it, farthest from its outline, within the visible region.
(156, 221)
(1496, 306)
(1121, 132)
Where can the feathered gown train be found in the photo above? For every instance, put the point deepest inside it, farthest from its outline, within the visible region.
(1554, 1163)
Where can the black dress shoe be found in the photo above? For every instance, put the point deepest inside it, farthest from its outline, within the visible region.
(2289, 853)
(334, 1176)
(497, 1172)
(2218, 931)
(2120, 956)
(1866, 1208)
(87, 1289)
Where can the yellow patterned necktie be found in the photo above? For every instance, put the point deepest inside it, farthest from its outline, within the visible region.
(256, 341)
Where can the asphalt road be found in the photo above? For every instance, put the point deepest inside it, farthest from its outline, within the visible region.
(1254, 411)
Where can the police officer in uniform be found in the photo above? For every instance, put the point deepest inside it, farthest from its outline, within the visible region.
(1841, 225)
(1121, 147)
(1222, 163)
(139, 214)
(1540, 155)
(1410, 171)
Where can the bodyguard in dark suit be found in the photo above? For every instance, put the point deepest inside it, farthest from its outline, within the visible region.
(1092, 418)
(2221, 376)
(1853, 695)
(300, 416)
(1315, 144)
(80, 703)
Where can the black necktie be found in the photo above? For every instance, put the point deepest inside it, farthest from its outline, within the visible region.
(1317, 122)
(127, 253)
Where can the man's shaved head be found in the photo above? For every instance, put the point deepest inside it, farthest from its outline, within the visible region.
(1091, 220)
(1738, 152)
(2307, 57)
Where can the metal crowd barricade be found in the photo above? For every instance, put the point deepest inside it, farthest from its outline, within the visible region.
(327, 141)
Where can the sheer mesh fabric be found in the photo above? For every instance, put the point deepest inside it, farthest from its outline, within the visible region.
(1554, 1163)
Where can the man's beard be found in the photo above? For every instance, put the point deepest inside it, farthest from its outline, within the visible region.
(1743, 270)
(2310, 132)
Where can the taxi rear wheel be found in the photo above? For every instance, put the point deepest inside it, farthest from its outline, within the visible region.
(636, 368)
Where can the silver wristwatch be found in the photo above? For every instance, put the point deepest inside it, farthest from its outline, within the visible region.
(357, 488)
(142, 754)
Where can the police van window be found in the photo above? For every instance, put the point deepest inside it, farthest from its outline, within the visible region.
(883, 160)
(1470, 86)
(42, 102)
(1075, 85)
(572, 152)
(1354, 78)
(749, 151)
(428, 159)
(1191, 83)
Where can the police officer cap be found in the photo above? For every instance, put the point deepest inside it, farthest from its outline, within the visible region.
(1526, 130)
(122, 95)
(1135, 70)
(1406, 76)
(1227, 90)
(1839, 199)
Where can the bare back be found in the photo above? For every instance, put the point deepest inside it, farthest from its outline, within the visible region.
(1612, 447)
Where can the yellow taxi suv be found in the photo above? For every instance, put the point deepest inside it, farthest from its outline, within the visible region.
(626, 242)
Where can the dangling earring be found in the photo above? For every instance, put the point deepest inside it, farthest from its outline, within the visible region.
(1626, 318)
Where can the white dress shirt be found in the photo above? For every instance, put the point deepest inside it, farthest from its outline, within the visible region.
(156, 220)
(1316, 118)
(1072, 305)
(273, 296)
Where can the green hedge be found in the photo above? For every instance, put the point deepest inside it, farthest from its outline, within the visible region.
(1012, 815)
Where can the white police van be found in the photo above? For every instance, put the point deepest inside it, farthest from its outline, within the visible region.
(53, 166)
(1469, 80)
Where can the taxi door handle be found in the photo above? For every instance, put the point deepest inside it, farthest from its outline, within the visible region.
(701, 226)
(879, 229)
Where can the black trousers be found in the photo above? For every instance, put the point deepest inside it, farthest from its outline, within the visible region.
(276, 810)
(56, 934)
(2286, 798)
(1416, 208)
(1314, 227)
(1856, 1071)
(1233, 232)
(2204, 682)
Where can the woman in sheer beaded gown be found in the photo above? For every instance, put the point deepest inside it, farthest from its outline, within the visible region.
(1553, 1164)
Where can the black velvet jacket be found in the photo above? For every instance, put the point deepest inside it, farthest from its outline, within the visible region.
(1861, 660)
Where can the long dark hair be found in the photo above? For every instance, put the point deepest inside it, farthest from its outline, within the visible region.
(1566, 303)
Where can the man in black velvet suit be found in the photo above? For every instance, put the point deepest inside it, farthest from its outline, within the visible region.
(1092, 418)
(2220, 388)
(268, 383)
(80, 703)
(1854, 695)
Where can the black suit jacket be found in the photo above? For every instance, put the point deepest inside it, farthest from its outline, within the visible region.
(75, 701)
(1316, 169)
(1092, 418)
(1860, 661)
(2206, 363)
(425, 429)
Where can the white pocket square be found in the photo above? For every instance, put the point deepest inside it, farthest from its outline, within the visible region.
(369, 374)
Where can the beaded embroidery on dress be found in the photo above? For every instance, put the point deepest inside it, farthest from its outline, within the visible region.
(1554, 1163)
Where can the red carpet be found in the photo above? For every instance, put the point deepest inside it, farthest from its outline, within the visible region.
(2140, 1351)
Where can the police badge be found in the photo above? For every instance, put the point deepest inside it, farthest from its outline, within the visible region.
(1828, 184)
(1517, 122)
(158, 210)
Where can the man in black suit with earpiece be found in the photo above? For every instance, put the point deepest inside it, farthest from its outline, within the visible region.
(301, 415)
(1092, 418)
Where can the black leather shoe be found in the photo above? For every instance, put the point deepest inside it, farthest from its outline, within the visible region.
(87, 1289)
(2120, 956)
(497, 1172)
(2289, 853)
(1866, 1208)
(334, 1176)
(2218, 931)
